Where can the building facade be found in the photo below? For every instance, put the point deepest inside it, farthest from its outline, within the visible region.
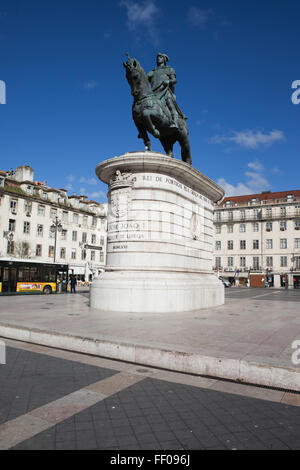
(42, 223)
(257, 239)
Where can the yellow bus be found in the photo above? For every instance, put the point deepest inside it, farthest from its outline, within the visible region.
(32, 277)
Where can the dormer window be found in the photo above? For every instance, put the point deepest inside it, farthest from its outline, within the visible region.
(228, 204)
(29, 189)
(254, 201)
(290, 197)
(2, 181)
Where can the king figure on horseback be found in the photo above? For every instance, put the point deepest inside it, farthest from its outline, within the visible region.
(163, 81)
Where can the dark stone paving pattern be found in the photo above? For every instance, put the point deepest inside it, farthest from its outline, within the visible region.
(155, 414)
(29, 380)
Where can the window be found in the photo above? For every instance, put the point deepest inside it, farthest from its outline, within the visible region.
(269, 244)
(65, 215)
(25, 250)
(218, 229)
(10, 247)
(255, 244)
(218, 262)
(297, 262)
(255, 262)
(38, 250)
(242, 228)
(243, 244)
(41, 210)
(242, 262)
(84, 237)
(255, 227)
(230, 215)
(94, 221)
(64, 234)
(63, 253)
(297, 210)
(243, 214)
(45, 195)
(283, 261)
(218, 245)
(73, 253)
(11, 225)
(75, 218)
(282, 211)
(85, 220)
(83, 254)
(269, 212)
(74, 236)
(297, 224)
(269, 226)
(282, 226)
(27, 207)
(254, 201)
(93, 255)
(297, 243)
(290, 198)
(40, 229)
(255, 213)
(26, 228)
(269, 261)
(101, 257)
(230, 228)
(230, 262)
(53, 213)
(283, 243)
(93, 239)
(218, 216)
(102, 241)
(13, 203)
(230, 245)
(228, 203)
(51, 252)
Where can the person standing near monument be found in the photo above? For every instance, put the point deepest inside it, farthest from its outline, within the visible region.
(163, 81)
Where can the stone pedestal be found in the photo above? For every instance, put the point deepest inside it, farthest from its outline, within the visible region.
(160, 237)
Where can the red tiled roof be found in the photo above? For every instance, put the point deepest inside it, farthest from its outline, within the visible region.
(262, 196)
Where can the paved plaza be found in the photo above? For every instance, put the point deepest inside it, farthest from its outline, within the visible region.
(249, 339)
(53, 399)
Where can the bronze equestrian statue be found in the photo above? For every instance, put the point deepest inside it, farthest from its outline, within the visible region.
(154, 107)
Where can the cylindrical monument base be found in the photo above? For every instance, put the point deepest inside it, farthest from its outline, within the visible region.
(160, 237)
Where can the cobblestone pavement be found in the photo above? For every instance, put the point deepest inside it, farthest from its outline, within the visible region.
(50, 399)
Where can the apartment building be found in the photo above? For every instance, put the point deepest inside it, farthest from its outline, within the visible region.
(257, 239)
(44, 223)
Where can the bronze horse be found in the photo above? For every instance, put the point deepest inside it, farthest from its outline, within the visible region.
(151, 115)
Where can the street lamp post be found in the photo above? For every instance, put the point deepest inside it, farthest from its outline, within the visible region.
(55, 227)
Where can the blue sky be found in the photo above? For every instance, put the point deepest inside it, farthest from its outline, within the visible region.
(69, 104)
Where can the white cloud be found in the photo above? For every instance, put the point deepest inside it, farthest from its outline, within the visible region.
(69, 187)
(98, 195)
(82, 190)
(251, 139)
(70, 178)
(255, 183)
(197, 17)
(91, 181)
(255, 165)
(142, 14)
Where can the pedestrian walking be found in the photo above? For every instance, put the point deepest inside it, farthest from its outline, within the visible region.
(73, 283)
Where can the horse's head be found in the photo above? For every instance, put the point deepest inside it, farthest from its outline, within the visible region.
(136, 77)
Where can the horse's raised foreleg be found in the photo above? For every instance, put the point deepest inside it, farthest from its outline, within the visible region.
(149, 124)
